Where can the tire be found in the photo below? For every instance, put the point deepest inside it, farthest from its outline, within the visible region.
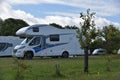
(28, 55)
(65, 54)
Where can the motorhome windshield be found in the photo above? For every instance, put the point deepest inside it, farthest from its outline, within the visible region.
(26, 40)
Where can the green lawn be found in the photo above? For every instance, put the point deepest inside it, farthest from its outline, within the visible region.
(100, 68)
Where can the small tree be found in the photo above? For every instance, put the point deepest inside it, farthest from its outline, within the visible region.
(21, 69)
(87, 33)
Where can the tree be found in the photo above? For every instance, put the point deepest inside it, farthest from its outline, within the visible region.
(71, 27)
(10, 26)
(98, 42)
(61, 27)
(112, 38)
(87, 34)
(1, 23)
(56, 25)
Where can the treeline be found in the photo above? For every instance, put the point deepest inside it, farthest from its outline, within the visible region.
(108, 37)
(63, 27)
(8, 27)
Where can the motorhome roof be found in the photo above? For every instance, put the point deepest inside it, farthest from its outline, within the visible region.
(38, 25)
(41, 29)
(24, 29)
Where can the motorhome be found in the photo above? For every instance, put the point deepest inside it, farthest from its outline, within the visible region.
(7, 44)
(46, 40)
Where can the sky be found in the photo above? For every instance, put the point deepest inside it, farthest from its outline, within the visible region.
(62, 12)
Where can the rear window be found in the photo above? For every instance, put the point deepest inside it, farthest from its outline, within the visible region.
(54, 38)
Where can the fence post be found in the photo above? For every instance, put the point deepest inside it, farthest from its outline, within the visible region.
(57, 69)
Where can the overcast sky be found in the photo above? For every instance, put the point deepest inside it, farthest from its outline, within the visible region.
(63, 12)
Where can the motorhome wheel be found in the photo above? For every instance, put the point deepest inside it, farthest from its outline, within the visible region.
(65, 54)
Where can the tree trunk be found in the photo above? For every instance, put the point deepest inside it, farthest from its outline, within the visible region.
(86, 60)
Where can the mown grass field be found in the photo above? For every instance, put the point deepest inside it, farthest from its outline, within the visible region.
(100, 68)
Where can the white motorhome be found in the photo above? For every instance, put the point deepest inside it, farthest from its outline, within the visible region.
(46, 40)
(7, 44)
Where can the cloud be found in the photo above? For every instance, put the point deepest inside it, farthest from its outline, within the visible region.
(8, 12)
(101, 22)
(5, 10)
(74, 18)
(63, 14)
(34, 1)
(60, 18)
(103, 7)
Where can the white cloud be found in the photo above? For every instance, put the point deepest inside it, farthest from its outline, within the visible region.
(34, 1)
(100, 22)
(63, 14)
(63, 19)
(22, 1)
(8, 12)
(102, 7)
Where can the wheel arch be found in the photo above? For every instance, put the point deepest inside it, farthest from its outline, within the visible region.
(29, 51)
(65, 54)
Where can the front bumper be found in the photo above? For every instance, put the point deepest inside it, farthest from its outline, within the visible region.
(18, 53)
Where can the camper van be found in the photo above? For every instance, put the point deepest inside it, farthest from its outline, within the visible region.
(46, 40)
(7, 44)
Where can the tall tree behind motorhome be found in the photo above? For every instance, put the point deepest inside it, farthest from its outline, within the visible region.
(87, 34)
(56, 25)
(63, 27)
(1, 23)
(71, 27)
(10, 26)
(112, 38)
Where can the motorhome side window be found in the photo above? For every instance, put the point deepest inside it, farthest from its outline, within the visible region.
(54, 37)
(35, 29)
(35, 41)
(4, 46)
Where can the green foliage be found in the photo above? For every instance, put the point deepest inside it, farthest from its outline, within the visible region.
(65, 27)
(56, 25)
(112, 38)
(71, 27)
(108, 37)
(9, 26)
(88, 30)
(98, 43)
(1, 23)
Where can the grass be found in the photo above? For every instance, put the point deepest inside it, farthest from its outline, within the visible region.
(70, 69)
